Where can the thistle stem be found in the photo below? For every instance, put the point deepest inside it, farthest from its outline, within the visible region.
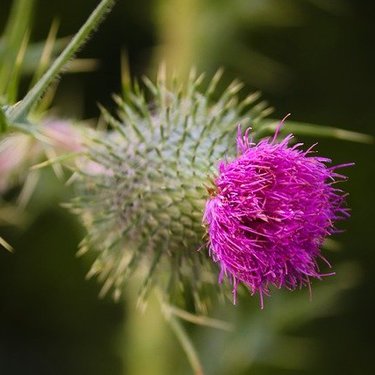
(184, 340)
(20, 111)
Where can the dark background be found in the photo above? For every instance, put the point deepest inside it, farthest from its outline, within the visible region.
(315, 59)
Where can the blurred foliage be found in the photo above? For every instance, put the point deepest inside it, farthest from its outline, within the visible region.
(313, 58)
(53, 321)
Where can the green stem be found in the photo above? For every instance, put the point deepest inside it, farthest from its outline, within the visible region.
(184, 340)
(20, 111)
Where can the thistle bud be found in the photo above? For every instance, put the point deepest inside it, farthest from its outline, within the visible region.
(143, 205)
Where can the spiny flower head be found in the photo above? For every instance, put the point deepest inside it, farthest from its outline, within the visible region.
(142, 206)
(269, 213)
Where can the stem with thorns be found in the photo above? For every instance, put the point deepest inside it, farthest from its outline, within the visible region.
(20, 111)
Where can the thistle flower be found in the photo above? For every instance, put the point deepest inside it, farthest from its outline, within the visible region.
(143, 200)
(143, 206)
(18, 152)
(15, 151)
(269, 213)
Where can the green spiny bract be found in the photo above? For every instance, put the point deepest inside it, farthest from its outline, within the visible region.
(143, 190)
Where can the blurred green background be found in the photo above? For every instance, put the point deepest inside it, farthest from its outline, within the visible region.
(313, 58)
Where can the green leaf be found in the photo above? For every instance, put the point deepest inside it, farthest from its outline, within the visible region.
(320, 131)
(3, 121)
(19, 23)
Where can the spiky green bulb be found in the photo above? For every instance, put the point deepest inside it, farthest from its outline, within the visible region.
(142, 198)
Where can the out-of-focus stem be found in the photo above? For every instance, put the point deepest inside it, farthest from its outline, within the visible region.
(183, 338)
(146, 343)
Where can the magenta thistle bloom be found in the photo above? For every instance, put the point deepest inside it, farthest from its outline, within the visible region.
(269, 213)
